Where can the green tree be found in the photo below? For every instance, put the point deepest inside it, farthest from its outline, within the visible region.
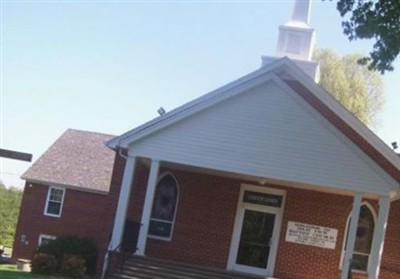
(354, 86)
(10, 202)
(374, 19)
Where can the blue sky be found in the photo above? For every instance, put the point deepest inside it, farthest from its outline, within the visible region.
(107, 66)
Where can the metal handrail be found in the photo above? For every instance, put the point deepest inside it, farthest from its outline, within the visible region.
(121, 260)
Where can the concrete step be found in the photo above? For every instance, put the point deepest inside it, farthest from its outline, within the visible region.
(150, 268)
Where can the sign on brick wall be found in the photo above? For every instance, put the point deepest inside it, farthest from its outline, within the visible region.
(311, 235)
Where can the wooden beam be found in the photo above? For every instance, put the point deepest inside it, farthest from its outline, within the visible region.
(10, 154)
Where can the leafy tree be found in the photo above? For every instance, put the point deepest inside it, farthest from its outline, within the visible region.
(10, 202)
(354, 86)
(379, 20)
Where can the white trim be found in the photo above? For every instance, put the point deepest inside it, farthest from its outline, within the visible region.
(240, 85)
(211, 99)
(147, 207)
(343, 138)
(45, 236)
(373, 212)
(164, 174)
(48, 200)
(241, 207)
(60, 185)
(123, 201)
(379, 238)
(342, 113)
(351, 237)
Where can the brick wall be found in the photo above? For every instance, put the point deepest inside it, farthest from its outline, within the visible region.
(390, 267)
(83, 214)
(205, 219)
(299, 261)
(76, 218)
(204, 223)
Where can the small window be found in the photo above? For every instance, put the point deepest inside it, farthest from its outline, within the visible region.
(364, 237)
(55, 199)
(164, 208)
(45, 239)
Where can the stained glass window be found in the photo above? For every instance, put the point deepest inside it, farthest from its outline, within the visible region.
(364, 237)
(164, 207)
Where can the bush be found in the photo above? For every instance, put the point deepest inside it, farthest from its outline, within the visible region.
(64, 245)
(44, 264)
(73, 266)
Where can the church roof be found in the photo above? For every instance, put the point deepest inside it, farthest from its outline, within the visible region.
(78, 159)
(303, 85)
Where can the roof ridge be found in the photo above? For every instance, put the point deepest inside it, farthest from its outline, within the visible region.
(87, 131)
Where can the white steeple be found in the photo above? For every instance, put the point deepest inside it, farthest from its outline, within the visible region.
(296, 39)
(301, 12)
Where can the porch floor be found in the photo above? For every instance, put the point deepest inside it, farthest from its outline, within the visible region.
(139, 267)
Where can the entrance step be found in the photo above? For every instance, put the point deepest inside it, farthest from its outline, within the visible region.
(139, 267)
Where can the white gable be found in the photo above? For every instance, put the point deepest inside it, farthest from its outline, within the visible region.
(267, 131)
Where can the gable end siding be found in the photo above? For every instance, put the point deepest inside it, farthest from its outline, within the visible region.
(266, 131)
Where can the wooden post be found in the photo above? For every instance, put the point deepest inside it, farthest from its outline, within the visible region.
(11, 154)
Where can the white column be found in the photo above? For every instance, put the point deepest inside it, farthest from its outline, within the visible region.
(379, 238)
(351, 235)
(148, 203)
(122, 208)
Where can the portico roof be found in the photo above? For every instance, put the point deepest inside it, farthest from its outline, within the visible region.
(288, 77)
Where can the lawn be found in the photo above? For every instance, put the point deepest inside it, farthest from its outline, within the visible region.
(8, 271)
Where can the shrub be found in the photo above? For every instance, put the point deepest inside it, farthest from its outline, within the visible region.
(73, 266)
(74, 245)
(44, 264)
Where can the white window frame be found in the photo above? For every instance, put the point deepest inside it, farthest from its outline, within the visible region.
(176, 209)
(48, 200)
(372, 209)
(45, 236)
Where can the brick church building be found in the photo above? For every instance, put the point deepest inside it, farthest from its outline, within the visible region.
(267, 175)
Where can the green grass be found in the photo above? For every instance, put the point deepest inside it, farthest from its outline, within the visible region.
(8, 271)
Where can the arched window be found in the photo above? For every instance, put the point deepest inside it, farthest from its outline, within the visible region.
(364, 237)
(164, 207)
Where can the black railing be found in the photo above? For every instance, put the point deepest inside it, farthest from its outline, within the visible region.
(117, 257)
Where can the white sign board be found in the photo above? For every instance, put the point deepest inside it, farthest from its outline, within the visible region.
(311, 235)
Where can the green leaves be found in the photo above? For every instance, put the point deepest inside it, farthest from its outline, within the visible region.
(354, 86)
(379, 20)
(10, 201)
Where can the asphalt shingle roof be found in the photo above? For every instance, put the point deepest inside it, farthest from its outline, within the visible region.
(77, 159)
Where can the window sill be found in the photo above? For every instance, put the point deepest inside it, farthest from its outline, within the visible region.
(359, 271)
(52, 215)
(166, 239)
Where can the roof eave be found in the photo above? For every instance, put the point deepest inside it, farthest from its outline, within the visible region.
(189, 108)
(281, 65)
(72, 187)
(344, 114)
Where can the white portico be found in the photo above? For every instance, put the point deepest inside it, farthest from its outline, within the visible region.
(274, 125)
(255, 128)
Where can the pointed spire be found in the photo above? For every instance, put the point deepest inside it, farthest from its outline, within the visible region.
(301, 11)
